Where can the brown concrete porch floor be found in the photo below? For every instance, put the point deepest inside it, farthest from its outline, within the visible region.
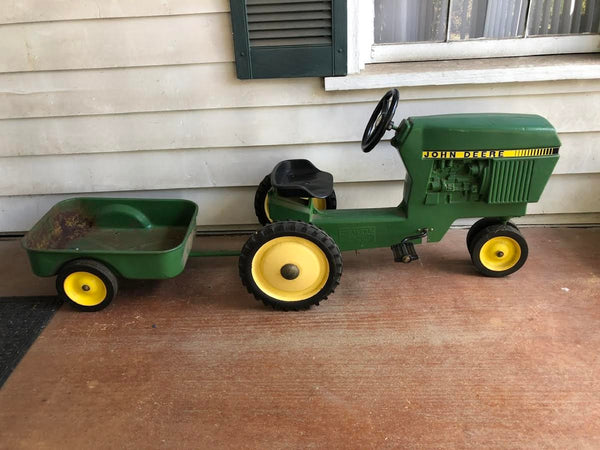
(422, 355)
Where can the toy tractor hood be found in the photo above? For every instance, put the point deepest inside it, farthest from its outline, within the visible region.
(484, 131)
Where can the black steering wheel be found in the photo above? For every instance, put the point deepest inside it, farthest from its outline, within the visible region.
(380, 121)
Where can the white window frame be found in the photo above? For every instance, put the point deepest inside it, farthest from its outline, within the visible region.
(363, 49)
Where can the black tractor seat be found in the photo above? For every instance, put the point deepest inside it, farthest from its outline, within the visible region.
(300, 178)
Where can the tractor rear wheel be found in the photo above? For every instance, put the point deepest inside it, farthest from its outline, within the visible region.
(290, 265)
(480, 225)
(499, 250)
(261, 201)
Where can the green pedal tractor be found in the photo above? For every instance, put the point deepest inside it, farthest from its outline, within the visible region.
(477, 165)
(459, 166)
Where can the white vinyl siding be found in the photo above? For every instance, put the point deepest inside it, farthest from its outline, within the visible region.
(141, 99)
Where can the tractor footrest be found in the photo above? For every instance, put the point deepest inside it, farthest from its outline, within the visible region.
(404, 252)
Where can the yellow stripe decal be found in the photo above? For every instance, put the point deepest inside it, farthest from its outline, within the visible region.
(479, 154)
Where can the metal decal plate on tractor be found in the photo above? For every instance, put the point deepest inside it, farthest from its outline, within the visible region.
(476, 154)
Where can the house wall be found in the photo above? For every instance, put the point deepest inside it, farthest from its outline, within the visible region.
(141, 99)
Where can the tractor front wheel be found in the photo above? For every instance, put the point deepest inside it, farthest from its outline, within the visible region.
(290, 265)
(499, 250)
(480, 225)
(261, 201)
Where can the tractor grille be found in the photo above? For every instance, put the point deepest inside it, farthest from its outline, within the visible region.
(288, 22)
(510, 181)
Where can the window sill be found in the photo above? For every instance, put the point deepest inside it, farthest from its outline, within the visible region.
(470, 71)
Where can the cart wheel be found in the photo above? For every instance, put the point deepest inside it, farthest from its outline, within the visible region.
(86, 284)
(480, 225)
(261, 198)
(499, 250)
(290, 265)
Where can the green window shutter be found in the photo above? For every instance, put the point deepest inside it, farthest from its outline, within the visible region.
(289, 38)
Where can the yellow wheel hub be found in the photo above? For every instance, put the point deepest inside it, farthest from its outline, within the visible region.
(290, 268)
(500, 253)
(85, 289)
(320, 203)
(267, 208)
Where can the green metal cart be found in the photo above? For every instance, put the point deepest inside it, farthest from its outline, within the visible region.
(88, 242)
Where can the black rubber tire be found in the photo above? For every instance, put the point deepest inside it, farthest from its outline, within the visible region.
(331, 201)
(259, 200)
(493, 231)
(480, 225)
(261, 194)
(291, 228)
(94, 267)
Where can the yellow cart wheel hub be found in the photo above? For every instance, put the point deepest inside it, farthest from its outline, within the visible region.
(290, 268)
(500, 253)
(85, 289)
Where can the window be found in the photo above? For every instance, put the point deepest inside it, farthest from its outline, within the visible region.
(559, 38)
(412, 30)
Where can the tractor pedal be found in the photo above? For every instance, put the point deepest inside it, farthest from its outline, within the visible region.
(404, 252)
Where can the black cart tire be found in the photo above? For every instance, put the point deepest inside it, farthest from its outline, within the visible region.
(480, 225)
(499, 250)
(86, 284)
(290, 265)
(261, 208)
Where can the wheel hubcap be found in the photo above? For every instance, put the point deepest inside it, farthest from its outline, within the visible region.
(290, 268)
(85, 288)
(290, 271)
(500, 253)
